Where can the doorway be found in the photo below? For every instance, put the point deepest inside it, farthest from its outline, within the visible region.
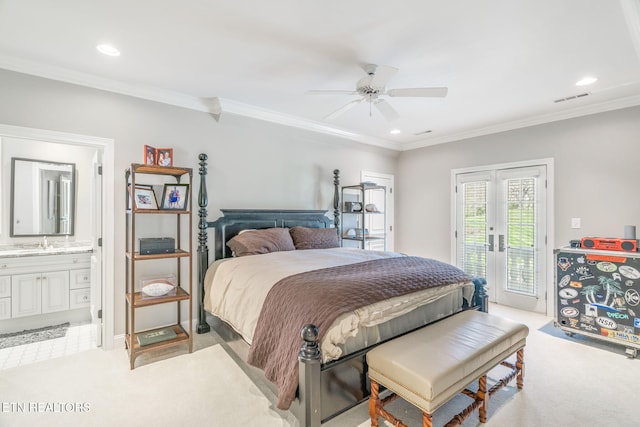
(102, 219)
(387, 181)
(501, 231)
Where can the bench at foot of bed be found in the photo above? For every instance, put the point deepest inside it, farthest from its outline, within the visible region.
(430, 366)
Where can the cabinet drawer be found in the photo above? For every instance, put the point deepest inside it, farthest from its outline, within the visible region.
(80, 278)
(79, 298)
(5, 308)
(5, 286)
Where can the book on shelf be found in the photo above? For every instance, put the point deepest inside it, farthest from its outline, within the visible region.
(158, 335)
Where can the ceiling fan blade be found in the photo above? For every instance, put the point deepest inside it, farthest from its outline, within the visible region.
(386, 110)
(382, 75)
(344, 108)
(332, 92)
(429, 92)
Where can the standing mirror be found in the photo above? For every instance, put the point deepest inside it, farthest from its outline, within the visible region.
(42, 197)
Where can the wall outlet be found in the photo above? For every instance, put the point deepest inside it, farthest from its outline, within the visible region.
(575, 222)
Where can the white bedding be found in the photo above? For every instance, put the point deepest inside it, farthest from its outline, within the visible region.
(235, 289)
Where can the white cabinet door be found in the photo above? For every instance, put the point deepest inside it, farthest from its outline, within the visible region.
(5, 286)
(5, 308)
(26, 295)
(5, 297)
(55, 291)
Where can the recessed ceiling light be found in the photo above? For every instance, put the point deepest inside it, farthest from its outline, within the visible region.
(107, 49)
(586, 81)
(395, 131)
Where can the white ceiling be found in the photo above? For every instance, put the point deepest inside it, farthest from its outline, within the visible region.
(504, 61)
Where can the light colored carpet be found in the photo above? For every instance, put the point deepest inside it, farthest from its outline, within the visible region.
(569, 382)
(202, 388)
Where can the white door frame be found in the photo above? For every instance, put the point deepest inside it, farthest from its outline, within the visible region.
(548, 162)
(108, 227)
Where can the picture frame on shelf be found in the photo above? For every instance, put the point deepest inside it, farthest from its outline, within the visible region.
(150, 187)
(164, 156)
(145, 198)
(149, 155)
(175, 196)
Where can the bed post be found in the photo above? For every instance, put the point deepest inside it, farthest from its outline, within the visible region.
(309, 378)
(336, 201)
(203, 251)
(480, 295)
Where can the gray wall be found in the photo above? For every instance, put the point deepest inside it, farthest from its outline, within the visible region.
(596, 178)
(252, 164)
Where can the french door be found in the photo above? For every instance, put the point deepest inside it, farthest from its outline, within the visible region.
(501, 233)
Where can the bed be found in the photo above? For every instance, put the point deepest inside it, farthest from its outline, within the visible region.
(322, 370)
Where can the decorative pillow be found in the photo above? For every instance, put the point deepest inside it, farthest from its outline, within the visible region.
(257, 242)
(314, 238)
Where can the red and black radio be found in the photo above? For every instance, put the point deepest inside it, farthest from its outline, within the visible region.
(609, 244)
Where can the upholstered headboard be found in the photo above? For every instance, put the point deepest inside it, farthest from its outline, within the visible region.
(233, 221)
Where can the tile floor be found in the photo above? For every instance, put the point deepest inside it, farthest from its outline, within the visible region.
(79, 337)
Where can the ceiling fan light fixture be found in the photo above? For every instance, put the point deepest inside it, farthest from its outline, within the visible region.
(586, 81)
(373, 86)
(107, 49)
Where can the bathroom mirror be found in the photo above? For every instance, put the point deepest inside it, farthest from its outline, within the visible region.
(42, 197)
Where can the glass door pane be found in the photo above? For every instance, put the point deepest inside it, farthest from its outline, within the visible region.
(521, 234)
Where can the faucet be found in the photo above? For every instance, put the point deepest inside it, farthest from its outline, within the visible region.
(44, 242)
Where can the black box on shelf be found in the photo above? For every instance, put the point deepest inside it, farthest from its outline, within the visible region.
(157, 245)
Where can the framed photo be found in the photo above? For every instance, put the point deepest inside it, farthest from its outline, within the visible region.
(150, 187)
(175, 196)
(145, 198)
(149, 155)
(164, 156)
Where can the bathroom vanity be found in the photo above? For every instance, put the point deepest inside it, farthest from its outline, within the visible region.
(40, 281)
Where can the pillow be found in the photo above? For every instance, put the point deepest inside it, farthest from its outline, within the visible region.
(257, 242)
(314, 238)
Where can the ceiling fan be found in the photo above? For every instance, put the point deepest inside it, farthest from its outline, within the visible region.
(373, 85)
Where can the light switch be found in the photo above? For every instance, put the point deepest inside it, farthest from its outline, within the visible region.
(575, 222)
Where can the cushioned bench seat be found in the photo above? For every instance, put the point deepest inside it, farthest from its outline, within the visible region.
(431, 365)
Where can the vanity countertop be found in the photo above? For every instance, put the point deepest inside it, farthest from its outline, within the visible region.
(33, 249)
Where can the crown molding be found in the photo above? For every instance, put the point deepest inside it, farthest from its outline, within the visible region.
(630, 101)
(182, 100)
(238, 108)
(84, 79)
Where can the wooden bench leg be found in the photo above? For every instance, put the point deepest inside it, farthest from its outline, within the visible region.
(520, 366)
(373, 404)
(427, 420)
(483, 395)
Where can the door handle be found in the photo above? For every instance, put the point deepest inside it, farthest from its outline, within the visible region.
(501, 243)
(491, 242)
